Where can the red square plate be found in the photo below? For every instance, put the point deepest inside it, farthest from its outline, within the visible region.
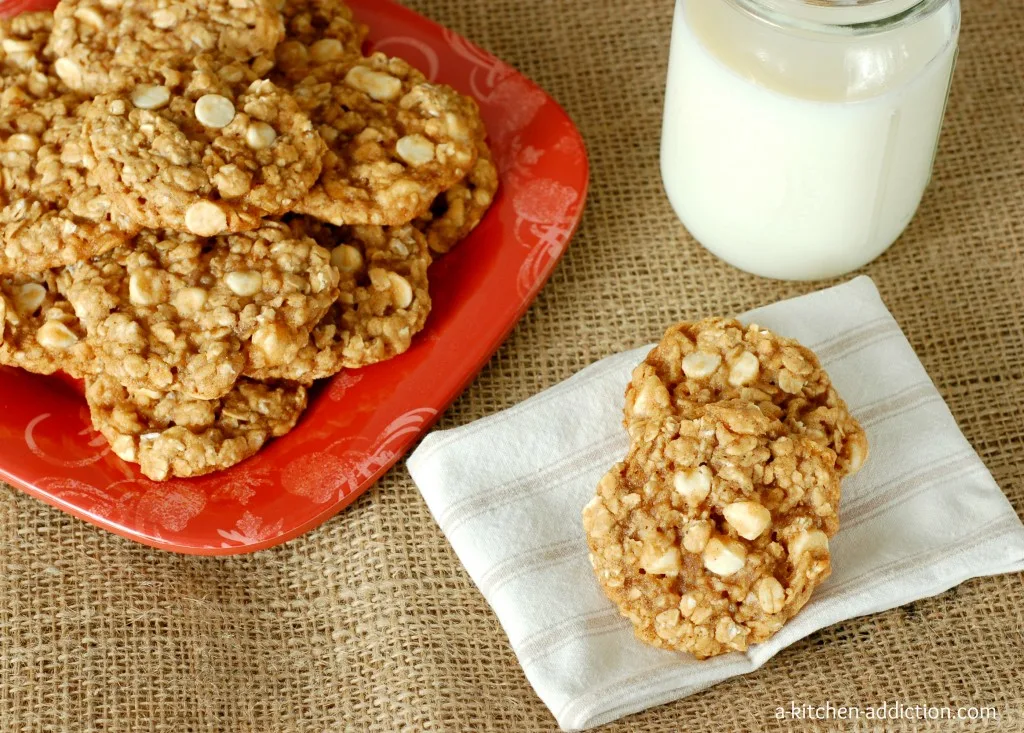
(361, 422)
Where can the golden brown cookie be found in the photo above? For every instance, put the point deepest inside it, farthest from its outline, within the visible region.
(395, 141)
(173, 312)
(169, 435)
(205, 153)
(51, 211)
(714, 533)
(108, 47)
(721, 359)
(458, 211)
(318, 35)
(383, 301)
(40, 331)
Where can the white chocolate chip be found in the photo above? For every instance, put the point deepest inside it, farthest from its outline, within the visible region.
(150, 96)
(325, 50)
(189, 301)
(748, 518)
(164, 19)
(858, 455)
(808, 541)
(68, 70)
(415, 150)
(260, 135)
(698, 365)
(771, 595)
(205, 219)
(402, 288)
(661, 562)
(90, 16)
(124, 448)
(653, 396)
(346, 258)
(23, 142)
(213, 110)
(694, 485)
(141, 289)
(29, 297)
(380, 86)
(15, 47)
(724, 556)
(55, 335)
(245, 284)
(272, 339)
(744, 370)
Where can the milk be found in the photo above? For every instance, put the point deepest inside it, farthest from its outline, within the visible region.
(800, 158)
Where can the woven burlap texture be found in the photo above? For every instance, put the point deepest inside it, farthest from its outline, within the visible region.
(371, 624)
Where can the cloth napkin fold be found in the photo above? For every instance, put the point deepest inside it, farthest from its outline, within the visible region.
(922, 516)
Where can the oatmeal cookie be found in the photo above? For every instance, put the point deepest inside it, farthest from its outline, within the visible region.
(39, 331)
(174, 312)
(104, 46)
(715, 533)
(383, 303)
(457, 211)
(51, 211)
(395, 141)
(318, 35)
(206, 153)
(170, 435)
(720, 359)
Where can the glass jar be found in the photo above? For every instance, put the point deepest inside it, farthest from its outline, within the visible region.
(799, 135)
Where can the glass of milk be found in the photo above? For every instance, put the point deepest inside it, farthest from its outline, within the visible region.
(799, 135)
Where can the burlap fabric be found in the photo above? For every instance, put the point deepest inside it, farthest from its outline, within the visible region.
(369, 623)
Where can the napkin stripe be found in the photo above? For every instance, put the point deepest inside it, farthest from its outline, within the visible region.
(606, 696)
(905, 486)
(584, 626)
(868, 334)
(659, 673)
(526, 563)
(911, 397)
(576, 383)
(900, 490)
(871, 333)
(987, 532)
(515, 491)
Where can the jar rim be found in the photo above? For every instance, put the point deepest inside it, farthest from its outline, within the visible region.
(841, 17)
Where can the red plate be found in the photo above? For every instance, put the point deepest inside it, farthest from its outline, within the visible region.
(361, 422)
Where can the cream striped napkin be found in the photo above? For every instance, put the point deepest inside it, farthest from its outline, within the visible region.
(922, 516)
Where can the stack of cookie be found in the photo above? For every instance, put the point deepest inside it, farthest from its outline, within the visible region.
(208, 205)
(715, 529)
